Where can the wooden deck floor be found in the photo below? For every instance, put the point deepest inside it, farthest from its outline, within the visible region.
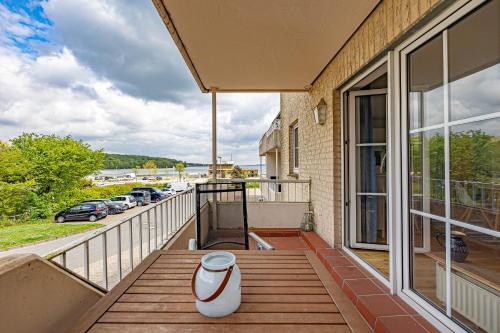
(282, 291)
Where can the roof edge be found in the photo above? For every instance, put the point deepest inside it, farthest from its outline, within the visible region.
(169, 24)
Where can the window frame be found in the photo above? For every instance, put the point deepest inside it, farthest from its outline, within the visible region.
(437, 26)
(295, 153)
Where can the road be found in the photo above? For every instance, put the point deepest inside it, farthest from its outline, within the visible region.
(146, 229)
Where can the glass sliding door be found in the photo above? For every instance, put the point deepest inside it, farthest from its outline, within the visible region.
(452, 112)
(368, 161)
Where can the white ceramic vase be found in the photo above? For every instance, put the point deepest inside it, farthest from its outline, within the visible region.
(216, 284)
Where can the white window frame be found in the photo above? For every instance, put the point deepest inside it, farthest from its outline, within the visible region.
(353, 165)
(398, 185)
(295, 148)
(437, 26)
(391, 281)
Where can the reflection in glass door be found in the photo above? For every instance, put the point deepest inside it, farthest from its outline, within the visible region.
(367, 164)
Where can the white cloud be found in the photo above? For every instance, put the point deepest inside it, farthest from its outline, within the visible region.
(63, 91)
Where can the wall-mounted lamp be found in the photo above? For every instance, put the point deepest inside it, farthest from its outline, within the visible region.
(319, 112)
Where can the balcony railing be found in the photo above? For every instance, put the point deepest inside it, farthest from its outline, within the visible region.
(104, 257)
(275, 125)
(480, 195)
(273, 190)
(271, 139)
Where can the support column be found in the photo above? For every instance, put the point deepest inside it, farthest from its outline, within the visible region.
(260, 166)
(277, 164)
(214, 156)
(214, 134)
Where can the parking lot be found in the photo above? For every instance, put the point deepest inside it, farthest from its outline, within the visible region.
(46, 247)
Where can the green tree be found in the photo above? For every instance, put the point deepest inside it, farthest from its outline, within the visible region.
(51, 167)
(474, 156)
(179, 167)
(151, 167)
(237, 173)
(15, 186)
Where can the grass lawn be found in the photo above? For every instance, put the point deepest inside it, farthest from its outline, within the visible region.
(22, 234)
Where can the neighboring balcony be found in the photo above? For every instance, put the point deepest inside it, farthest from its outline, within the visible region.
(271, 139)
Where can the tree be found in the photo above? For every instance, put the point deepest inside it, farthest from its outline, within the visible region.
(151, 166)
(55, 163)
(15, 187)
(47, 169)
(237, 173)
(180, 168)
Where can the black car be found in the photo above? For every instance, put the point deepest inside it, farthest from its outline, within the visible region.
(156, 194)
(113, 207)
(91, 211)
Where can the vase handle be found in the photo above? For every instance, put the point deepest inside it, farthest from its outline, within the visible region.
(218, 291)
(438, 236)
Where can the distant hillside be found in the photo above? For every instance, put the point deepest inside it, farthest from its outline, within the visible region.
(117, 161)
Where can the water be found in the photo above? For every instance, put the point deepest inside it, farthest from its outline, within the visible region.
(170, 172)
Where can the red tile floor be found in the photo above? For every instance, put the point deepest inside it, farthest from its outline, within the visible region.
(384, 312)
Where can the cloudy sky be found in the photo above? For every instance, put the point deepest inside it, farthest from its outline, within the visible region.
(107, 72)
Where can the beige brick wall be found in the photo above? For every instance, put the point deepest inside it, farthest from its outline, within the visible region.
(320, 145)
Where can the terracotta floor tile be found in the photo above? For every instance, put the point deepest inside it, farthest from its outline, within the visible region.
(323, 253)
(315, 241)
(398, 324)
(380, 285)
(374, 306)
(363, 287)
(286, 243)
(428, 326)
(338, 261)
(405, 306)
(349, 272)
(336, 276)
(349, 292)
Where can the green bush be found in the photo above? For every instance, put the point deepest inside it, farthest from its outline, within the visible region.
(252, 185)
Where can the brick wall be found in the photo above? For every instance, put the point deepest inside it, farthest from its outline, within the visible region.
(320, 145)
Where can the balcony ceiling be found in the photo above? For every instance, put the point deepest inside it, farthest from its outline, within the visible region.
(260, 45)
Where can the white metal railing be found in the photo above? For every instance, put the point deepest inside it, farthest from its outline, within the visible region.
(276, 190)
(275, 125)
(273, 190)
(468, 193)
(105, 256)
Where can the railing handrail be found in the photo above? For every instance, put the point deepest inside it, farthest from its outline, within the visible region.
(156, 225)
(278, 181)
(275, 125)
(100, 231)
(460, 181)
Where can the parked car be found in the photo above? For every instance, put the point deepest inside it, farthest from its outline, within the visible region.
(156, 194)
(91, 211)
(168, 191)
(128, 201)
(113, 207)
(142, 197)
(180, 186)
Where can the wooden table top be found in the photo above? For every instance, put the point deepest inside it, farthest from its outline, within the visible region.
(281, 291)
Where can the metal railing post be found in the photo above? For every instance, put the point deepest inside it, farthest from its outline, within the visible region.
(119, 251)
(161, 224)
(167, 214)
(175, 213)
(149, 231)
(63, 259)
(131, 245)
(105, 261)
(155, 208)
(140, 237)
(86, 259)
